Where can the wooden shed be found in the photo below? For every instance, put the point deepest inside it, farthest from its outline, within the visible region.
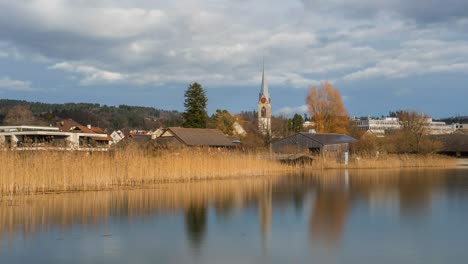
(313, 143)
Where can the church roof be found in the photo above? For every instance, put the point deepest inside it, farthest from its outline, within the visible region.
(264, 88)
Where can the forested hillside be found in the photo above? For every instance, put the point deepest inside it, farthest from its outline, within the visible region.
(15, 112)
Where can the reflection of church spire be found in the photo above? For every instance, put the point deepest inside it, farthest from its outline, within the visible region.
(264, 214)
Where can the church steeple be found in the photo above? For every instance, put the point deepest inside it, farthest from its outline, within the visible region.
(264, 87)
(264, 107)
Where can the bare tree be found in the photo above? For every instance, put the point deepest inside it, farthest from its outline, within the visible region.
(19, 115)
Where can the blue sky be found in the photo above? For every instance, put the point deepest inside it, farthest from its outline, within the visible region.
(381, 55)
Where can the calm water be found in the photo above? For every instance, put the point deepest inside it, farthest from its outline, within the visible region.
(409, 216)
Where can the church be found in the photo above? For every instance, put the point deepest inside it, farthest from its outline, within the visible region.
(264, 108)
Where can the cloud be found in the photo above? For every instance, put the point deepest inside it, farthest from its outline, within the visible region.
(222, 43)
(418, 57)
(291, 110)
(419, 10)
(91, 75)
(7, 84)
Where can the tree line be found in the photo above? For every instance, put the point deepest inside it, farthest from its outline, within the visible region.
(16, 112)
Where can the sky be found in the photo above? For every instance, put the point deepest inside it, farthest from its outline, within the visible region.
(381, 55)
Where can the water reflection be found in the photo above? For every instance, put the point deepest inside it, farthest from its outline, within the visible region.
(324, 205)
(195, 224)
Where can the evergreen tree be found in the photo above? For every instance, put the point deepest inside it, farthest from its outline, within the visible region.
(296, 123)
(195, 107)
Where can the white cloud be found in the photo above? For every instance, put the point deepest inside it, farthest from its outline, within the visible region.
(8, 84)
(420, 56)
(91, 75)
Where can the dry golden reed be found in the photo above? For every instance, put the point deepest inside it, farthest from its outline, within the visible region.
(31, 172)
(36, 172)
(385, 162)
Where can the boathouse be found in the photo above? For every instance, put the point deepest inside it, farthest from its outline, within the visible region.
(313, 144)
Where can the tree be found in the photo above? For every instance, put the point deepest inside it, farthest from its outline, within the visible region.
(412, 137)
(19, 115)
(223, 121)
(327, 110)
(195, 107)
(296, 123)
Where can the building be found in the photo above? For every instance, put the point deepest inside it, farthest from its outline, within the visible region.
(380, 126)
(440, 128)
(237, 129)
(461, 127)
(313, 143)
(43, 137)
(264, 107)
(117, 136)
(194, 137)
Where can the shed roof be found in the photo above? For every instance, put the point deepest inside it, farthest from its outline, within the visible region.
(312, 140)
(200, 137)
(329, 138)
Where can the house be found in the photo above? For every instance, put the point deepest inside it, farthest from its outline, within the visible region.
(238, 129)
(117, 136)
(194, 137)
(313, 143)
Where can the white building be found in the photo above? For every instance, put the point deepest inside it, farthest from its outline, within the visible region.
(43, 137)
(380, 126)
(440, 128)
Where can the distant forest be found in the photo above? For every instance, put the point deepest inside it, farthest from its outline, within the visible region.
(14, 112)
(455, 119)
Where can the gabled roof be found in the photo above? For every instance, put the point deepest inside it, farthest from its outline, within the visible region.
(329, 138)
(83, 129)
(67, 124)
(199, 137)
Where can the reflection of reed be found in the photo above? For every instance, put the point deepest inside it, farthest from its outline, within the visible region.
(33, 213)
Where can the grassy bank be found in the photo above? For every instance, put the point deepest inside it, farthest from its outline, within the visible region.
(39, 172)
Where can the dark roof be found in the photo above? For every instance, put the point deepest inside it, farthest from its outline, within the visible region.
(329, 139)
(311, 140)
(200, 137)
(453, 142)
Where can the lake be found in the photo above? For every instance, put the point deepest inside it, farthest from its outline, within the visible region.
(355, 216)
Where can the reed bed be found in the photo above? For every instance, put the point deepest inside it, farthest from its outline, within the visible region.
(32, 172)
(384, 162)
(48, 171)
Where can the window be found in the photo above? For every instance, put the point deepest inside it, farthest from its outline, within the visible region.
(263, 112)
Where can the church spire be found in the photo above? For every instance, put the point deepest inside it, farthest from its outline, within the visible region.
(264, 88)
